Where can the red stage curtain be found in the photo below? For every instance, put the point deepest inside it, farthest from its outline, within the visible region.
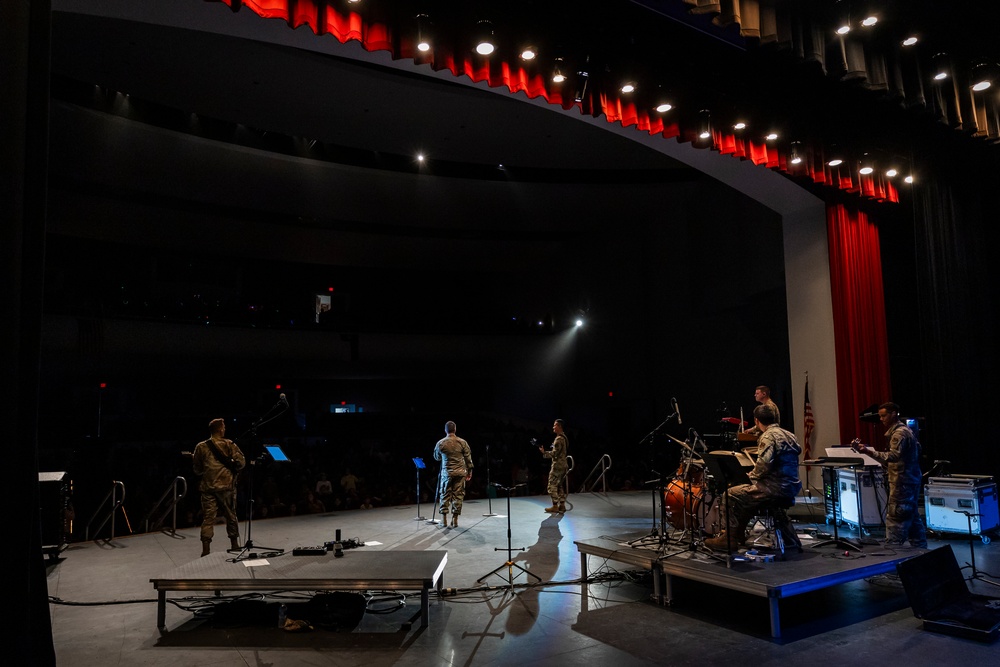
(376, 35)
(862, 347)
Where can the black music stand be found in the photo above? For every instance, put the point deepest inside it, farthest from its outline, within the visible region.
(830, 479)
(420, 465)
(248, 549)
(509, 564)
(727, 471)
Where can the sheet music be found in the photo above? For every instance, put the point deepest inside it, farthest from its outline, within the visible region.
(845, 450)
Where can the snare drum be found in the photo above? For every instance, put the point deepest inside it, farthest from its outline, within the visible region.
(694, 473)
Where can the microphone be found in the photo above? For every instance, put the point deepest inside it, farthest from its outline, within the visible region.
(677, 409)
(283, 400)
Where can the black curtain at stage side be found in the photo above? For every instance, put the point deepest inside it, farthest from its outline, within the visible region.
(24, 76)
(950, 321)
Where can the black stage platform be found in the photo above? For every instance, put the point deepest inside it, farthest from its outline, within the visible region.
(799, 573)
(356, 570)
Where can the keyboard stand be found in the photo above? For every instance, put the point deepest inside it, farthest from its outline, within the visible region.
(830, 477)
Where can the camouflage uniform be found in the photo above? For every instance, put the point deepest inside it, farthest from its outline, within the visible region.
(218, 485)
(902, 464)
(775, 476)
(557, 473)
(456, 465)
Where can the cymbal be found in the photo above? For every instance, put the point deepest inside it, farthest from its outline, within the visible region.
(684, 445)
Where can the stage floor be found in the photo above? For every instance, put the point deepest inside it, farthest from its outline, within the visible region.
(107, 612)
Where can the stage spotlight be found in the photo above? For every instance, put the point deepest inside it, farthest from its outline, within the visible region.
(579, 323)
(582, 78)
(941, 66)
(705, 124)
(529, 52)
(484, 38)
(558, 71)
(796, 154)
(981, 77)
(423, 33)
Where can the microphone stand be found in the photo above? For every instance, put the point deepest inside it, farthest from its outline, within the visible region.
(248, 547)
(489, 500)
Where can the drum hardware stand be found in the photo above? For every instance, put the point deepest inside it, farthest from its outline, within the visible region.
(509, 564)
(659, 533)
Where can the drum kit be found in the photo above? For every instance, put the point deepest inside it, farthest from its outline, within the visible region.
(692, 499)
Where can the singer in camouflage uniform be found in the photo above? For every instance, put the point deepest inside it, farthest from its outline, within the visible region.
(775, 476)
(456, 470)
(217, 461)
(902, 465)
(557, 473)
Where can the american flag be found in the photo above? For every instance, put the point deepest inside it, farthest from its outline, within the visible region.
(809, 422)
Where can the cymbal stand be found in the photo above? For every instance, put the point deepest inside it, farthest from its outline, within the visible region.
(659, 490)
(509, 564)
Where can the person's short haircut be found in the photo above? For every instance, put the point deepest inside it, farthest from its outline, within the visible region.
(764, 388)
(216, 425)
(889, 407)
(450, 427)
(561, 423)
(764, 413)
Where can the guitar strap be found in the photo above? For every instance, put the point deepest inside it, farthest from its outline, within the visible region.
(224, 460)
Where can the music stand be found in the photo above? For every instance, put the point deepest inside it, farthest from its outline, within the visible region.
(727, 471)
(278, 456)
(830, 478)
(419, 463)
(509, 564)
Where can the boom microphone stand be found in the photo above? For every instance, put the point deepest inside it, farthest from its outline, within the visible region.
(659, 533)
(489, 500)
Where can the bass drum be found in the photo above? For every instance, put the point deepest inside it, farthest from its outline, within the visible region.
(679, 496)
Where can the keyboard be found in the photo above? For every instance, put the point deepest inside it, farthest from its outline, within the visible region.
(835, 460)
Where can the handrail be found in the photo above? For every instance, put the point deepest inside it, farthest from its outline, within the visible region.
(603, 465)
(116, 502)
(570, 464)
(175, 497)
